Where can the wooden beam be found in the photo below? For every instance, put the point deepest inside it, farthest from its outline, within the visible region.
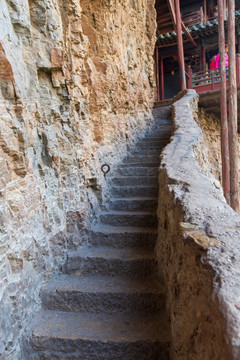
(188, 34)
(224, 121)
(205, 11)
(233, 135)
(174, 20)
(172, 12)
(157, 72)
(181, 60)
(203, 58)
(162, 80)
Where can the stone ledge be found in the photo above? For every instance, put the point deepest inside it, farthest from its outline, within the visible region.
(198, 247)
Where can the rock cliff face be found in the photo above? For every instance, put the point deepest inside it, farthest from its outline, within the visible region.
(76, 87)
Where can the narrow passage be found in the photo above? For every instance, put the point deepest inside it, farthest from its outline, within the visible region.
(109, 304)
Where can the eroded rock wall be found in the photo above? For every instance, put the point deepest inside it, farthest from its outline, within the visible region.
(210, 125)
(198, 245)
(76, 86)
(210, 156)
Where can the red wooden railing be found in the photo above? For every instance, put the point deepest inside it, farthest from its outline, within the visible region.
(194, 18)
(209, 80)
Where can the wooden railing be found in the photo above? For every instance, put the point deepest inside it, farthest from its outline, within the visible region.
(209, 80)
(194, 18)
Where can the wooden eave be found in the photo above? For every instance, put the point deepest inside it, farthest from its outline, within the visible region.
(197, 32)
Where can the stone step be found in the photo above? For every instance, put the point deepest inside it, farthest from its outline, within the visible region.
(107, 294)
(74, 336)
(161, 116)
(111, 262)
(123, 237)
(133, 204)
(142, 164)
(129, 218)
(153, 139)
(146, 152)
(161, 124)
(142, 159)
(149, 146)
(138, 170)
(134, 191)
(158, 130)
(135, 180)
(157, 133)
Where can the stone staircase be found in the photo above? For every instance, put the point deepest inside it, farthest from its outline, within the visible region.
(109, 304)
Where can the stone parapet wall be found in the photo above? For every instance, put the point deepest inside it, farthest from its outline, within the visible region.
(198, 246)
(76, 88)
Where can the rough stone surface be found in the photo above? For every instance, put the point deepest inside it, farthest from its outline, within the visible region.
(210, 160)
(62, 336)
(197, 246)
(76, 88)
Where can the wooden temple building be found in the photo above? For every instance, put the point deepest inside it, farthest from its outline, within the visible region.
(198, 47)
(200, 42)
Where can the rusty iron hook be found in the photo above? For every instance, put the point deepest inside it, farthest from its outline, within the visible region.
(105, 172)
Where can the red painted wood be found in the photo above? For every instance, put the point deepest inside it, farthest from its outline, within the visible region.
(162, 80)
(224, 120)
(203, 58)
(157, 73)
(189, 73)
(233, 135)
(180, 46)
(205, 11)
(238, 69)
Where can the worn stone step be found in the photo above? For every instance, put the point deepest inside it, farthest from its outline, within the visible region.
(138, 151)
(158, 130)
(74, 336)
(158, 134)
(137, 170)
(164, 120)
(123, 237)
(129, 218)
(106, 294)
(134, 191)
(135, 180)
(149, 146)
(161, 124)
(153, 139)
(133, 204)
(142, 158)
(111, 261)
(142, 164)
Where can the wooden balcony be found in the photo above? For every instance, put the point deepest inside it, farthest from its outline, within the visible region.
(209, 80)
(194, 18)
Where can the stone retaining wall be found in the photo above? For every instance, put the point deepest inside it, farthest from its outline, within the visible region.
(198, 246)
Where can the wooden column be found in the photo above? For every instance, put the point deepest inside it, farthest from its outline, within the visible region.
(157, 74)
(205, 11)
(233, 135)
(225, 9)
(203, 58)
(238, 69)
(224, 122)
(162, 80)
(180, 46)
(189, 71)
